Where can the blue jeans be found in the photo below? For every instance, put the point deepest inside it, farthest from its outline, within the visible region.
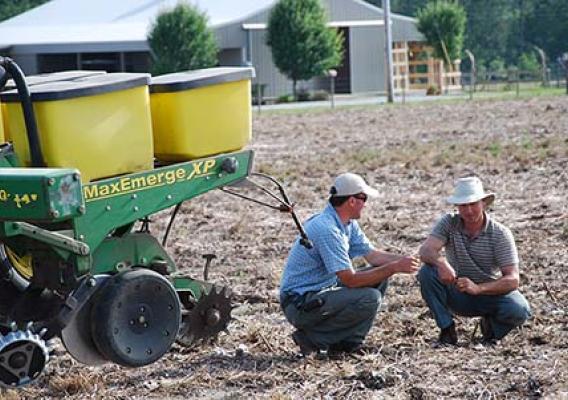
(346, 315)
(504, 312)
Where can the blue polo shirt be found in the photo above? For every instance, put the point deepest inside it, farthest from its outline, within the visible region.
(335, 244)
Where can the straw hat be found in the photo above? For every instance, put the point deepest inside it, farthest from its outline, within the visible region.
(470, 190)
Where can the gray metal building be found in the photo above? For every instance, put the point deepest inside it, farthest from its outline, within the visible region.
(111, 35)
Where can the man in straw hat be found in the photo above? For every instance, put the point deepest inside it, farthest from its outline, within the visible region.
(479, 275)
(331, 305)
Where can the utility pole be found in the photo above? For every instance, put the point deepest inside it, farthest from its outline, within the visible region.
(388, 50)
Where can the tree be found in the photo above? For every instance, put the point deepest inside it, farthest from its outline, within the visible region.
(301, 43)
(181, 40)
(11, 8)
(547, 26)
(443, 25)
(528, 62)
(407, 7)
(488, 30)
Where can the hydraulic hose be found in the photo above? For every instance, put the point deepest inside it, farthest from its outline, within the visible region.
(27, 108)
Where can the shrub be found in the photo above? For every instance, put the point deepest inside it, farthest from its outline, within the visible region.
(285, 98)
(433, 91)
(303, 95)
(320, 95)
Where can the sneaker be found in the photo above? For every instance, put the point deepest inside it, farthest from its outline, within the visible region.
(306, 346)
(448, 335)
(487, 335)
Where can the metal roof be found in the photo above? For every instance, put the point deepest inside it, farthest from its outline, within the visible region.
(89, 21)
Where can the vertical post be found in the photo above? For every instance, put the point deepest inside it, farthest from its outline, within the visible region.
(249, 63)
(542, 65)
(259, 96)
(441, 77)
(388, 50)
(249, 47)
(404, 82)
(472, 73)
(564, 62)
(332, 73)
(122, 61)
(518, 81)
(333, 92)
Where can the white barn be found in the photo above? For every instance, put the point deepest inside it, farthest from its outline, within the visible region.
(111, 35)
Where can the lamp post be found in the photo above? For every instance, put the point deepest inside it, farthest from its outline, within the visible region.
(332, 73)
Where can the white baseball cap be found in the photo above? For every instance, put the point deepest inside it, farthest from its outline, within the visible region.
(469, 190)
(348, 184)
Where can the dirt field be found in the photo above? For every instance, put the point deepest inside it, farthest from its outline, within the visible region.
(411, 154)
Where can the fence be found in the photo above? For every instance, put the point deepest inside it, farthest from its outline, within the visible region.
(512, 80)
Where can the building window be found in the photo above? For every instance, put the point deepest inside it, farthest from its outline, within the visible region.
(56, 62)
(137, 62)
(109, 62)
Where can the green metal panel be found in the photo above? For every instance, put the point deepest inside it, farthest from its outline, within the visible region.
(45, 196)
(8, 158)
(116, 202)
(40, 194)
(185, 283)
(133, 249)
(56, 240)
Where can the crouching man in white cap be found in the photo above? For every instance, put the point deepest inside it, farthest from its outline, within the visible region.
(479, 275)
(331, 305)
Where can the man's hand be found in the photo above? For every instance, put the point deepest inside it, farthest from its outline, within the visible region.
(465, 285)
(446, 274)
(407, 265)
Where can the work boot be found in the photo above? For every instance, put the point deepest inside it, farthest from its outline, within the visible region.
(487, 335)
(448, 336)
(346, 347)
(306, 346)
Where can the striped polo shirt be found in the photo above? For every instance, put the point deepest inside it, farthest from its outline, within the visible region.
(480, 258)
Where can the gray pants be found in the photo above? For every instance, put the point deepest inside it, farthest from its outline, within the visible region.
(346, 315)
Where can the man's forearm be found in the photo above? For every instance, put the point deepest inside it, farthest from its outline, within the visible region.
(433, 258)
(381, 258)
(369, 277)
(502, 285)
(373, 276)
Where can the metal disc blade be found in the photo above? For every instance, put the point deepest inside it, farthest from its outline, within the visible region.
(77, 337)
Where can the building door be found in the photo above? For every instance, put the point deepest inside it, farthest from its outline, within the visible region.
(343, 80)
